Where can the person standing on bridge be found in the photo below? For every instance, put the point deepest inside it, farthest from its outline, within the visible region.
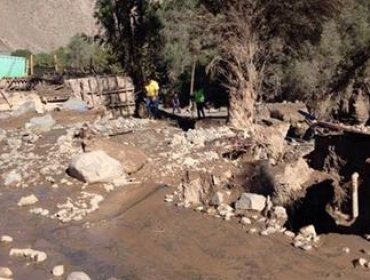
(200, 100)
(152, 93)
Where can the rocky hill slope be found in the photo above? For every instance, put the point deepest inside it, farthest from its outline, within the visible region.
(42, 25)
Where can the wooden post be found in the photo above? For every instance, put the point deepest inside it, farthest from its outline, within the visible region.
(31, 65)
(192, 82)
(56, 63)
(355, 195)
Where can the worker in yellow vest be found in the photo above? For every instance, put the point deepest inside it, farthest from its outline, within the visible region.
(152, 93)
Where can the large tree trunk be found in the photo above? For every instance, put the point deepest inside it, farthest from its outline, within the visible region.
(241, 107)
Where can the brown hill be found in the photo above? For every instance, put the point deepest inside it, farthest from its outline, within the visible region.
(42, 25)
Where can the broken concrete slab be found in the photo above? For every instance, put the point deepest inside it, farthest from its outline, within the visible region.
(95, 167)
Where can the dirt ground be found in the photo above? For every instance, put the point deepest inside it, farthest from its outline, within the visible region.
(136, 235)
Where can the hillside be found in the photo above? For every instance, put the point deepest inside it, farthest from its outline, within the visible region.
(41, 25)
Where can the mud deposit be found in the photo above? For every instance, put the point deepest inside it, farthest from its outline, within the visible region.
(128, 231)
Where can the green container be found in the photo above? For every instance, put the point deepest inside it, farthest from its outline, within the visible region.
(12, 66)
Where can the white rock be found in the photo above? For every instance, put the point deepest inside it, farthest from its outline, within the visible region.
(361, 262)
(5, 272)
(37, 256)
(120, 182)
(28, 200)
(6, 239)
(346, 250)
(12, 178)
(268, 231)
(95, 167)
(289, 233)
(306, 247)
(225, 210)
(280, 212)
(41, 124)
(58, 270)
(308, 232)
(251, 201)
(252, 230)
(245, 221)
(78, 276)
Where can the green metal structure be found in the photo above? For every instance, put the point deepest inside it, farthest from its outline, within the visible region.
(12, 67)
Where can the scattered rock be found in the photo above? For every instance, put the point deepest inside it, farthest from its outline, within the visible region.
(306, 238)
(95, 167)
(58, 270)
(5, 272)
(225, 210)
(252, 230)
(74, 104)
(245, 221)
(40, 211)
(169, 198)
(40, 124)
(37, 256)
(289, 233)
(6, 239)
(28, 200)
(251, 201)
(361, 262)
(308, 232)
(78, 276)
(13, 178)
(346, 250)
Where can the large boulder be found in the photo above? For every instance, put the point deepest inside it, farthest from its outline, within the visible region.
(293, 176)
(132, 158)
(287, 112)
(251, 201)
(273, 137)
(40, 124)
(95, 167)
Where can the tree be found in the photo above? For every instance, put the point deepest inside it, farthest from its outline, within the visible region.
(22, 53)
(131, 28)
(257, 38)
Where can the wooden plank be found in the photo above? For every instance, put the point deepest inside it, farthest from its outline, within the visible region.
(116, 91)
(6, 99)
